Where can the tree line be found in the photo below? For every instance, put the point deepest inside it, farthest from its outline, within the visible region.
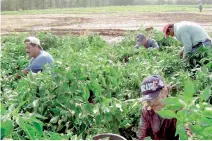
(12, 5)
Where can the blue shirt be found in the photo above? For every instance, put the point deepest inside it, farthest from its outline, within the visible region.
(36, 64)
(151, 43)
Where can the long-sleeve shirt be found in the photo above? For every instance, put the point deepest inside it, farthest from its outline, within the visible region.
(151, 43)
(36, 64)
(151, 124)
(190, 34)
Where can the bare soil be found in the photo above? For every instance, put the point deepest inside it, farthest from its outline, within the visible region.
(111, 26)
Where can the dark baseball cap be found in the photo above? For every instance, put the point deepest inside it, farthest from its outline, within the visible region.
(139, 39)
(150, 87)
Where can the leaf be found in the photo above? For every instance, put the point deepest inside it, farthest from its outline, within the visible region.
(38, 127)
(180, 129)
(207, 131)
(40, 116)
(55, 136)
(30, 131)
(35, 103)
(113, 80)
(172, 103)
(171, 100)
(207, 113)
(26, 127)
(206, 94)
(166, 114)
(54, 119)
(196, 129)
(6, 128)
(88, 108)
(86, 94)
(182, 114)
(107, 117)
(189, 89)
(98, 119)
(205, 122)
(102, 79)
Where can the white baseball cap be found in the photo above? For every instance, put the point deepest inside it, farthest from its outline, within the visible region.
(33, 40)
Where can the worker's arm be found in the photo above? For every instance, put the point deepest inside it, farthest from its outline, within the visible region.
(181, 53)
(155, 44)
(35, 66)
(142, 129)
(185, 38)
(19, 74)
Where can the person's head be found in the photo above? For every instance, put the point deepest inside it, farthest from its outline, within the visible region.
(169, 30)
(32, 46)
(153, 90)
(140, 40)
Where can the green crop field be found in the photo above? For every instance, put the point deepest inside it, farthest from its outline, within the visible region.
(147, 8)
(54, 104)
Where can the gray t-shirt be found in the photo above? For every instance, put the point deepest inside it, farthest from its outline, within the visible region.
(151, 43)
(36, 64)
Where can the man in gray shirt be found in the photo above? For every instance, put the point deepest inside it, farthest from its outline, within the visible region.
(147, 43)
(38, 56)
(190, 34)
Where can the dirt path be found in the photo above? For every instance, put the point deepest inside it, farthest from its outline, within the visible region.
(111, 26)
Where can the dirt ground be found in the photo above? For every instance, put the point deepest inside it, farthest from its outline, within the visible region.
(111, 26)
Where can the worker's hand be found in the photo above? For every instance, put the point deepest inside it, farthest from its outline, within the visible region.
(18, 76)
(181, 54)
(24, 72)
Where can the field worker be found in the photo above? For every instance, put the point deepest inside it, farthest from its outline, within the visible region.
(153, 90)
(38, 56)
(147, 43)
(200, 7)
(190, 34)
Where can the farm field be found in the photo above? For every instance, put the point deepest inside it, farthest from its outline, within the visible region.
(94, 86)
(110, 22)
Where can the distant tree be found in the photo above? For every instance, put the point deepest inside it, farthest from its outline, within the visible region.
(50, 4)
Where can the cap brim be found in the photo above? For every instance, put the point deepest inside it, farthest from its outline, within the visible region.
(151, 96)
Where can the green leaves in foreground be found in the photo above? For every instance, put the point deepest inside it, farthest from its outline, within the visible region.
(206, 94)
(189, 89)
(168, 114)
(6, 128)
(56, 106)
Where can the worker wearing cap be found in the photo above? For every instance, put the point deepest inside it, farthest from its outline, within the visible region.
(38, 56)
(190, 34)
(153, 91)
(147, 43)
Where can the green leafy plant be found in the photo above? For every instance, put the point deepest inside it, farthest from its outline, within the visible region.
(93, 89)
